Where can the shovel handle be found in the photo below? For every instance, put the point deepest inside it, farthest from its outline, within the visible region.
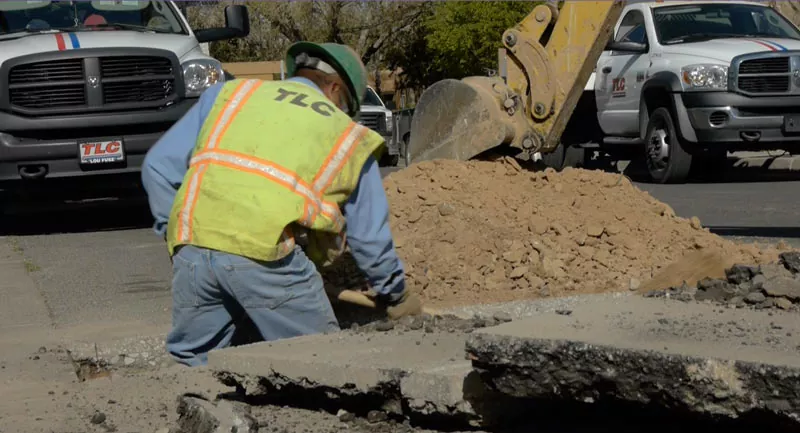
(353, 297)
(358, 298)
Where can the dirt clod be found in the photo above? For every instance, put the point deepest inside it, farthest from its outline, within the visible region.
(375, 416)
(769, 286)
(345, 416)
(480, 232)
(98, 418)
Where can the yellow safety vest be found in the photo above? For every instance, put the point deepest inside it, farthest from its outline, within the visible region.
(273, 159)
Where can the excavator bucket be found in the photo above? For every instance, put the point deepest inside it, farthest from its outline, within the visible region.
(457, 119)
(547, 59)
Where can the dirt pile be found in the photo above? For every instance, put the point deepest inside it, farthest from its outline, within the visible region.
(771, 285)
(480, 231)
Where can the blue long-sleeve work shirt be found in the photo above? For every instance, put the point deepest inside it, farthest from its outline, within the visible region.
(366, 212)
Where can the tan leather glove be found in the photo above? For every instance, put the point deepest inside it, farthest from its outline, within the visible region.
(409, 304)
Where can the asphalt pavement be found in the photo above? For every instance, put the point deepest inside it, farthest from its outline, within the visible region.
(104, 263)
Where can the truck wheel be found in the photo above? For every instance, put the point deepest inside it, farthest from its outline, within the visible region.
(404, 147)
(667, 160)
(389, 160)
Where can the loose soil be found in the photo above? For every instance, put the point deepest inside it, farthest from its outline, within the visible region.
(491, 231)
(767, 286)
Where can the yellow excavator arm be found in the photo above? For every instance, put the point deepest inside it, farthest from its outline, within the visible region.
(549, 57)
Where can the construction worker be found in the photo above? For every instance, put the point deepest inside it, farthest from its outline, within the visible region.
(254, 186)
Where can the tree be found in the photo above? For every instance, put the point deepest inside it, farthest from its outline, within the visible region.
(466, 35)
(427, 40)
(368, 26)
(457, 39)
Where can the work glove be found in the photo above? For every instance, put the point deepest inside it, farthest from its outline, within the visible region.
(409, 304)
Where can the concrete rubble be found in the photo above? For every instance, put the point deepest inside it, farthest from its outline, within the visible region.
(767, 286)
(199, 415)
(396, 371)
(693, 358)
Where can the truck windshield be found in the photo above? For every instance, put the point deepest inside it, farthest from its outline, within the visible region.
(20, 17)
(705, 21)
(371, 98)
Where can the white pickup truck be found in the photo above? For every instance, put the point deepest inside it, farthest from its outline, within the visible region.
(375, 115)
(87, 87)
(683, 83)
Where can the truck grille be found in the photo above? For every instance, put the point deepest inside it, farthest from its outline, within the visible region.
(92, 84)
(373, 121)
(766, 75)
(768, 84)
(773, 65)
(115, 67)
(58, 70)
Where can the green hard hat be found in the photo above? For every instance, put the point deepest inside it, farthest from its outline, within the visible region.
(343, 59)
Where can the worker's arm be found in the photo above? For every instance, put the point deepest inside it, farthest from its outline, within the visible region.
(369, 236)
(167, 162)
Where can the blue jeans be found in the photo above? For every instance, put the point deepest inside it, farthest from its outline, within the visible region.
(211, 290)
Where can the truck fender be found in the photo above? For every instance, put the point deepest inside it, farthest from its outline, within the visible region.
(664, 88)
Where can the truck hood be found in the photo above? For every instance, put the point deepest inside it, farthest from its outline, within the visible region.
(31, 44)
(373, 109)
(724, 50)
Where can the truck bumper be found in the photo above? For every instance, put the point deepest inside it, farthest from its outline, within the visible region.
(47, 147)
(740, 121)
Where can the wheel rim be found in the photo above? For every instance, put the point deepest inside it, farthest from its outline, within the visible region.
(658, 148)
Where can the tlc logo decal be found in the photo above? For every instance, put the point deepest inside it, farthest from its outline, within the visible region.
(97, 149)
(101, 152)
(618, 85)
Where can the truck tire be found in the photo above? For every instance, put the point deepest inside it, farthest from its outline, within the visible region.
(666, 159)
(404, 147)
(389, 160)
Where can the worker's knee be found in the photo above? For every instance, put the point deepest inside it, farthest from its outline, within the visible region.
(198, 330)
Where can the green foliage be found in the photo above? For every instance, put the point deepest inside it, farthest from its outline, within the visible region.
(456, 40)
(428, 40)
(464, 36)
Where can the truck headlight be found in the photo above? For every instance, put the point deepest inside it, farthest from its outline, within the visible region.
(389, 122)
(704, 77)
(200, 74)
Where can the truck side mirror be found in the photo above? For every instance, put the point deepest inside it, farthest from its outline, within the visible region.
(237, 25)
(628, 47)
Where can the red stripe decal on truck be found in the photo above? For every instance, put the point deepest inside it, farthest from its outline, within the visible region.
(60, 42)
(769, 47)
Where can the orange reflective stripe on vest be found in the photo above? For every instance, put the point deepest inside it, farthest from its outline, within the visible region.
(275, 173)
(344, 148)
(240, 96)
(314, 203)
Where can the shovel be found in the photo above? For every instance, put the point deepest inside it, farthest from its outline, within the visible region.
(361, 299)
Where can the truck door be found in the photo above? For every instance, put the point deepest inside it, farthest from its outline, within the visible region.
(619, 80)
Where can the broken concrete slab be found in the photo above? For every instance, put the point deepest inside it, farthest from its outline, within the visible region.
(694, 357)
(199, 415)
(375, 370)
